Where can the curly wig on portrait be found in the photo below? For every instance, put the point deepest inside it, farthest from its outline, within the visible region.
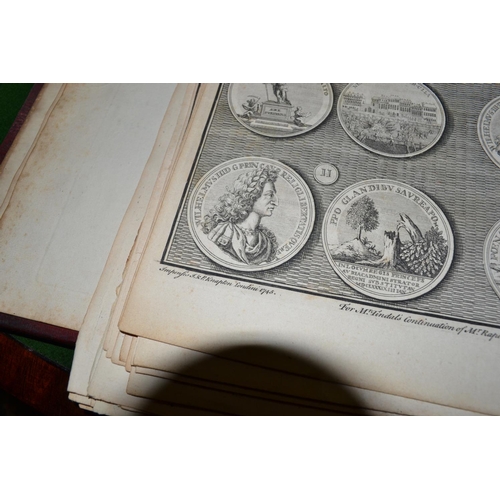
(235, 205)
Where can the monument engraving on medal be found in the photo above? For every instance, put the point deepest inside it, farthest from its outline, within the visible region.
(280, 109)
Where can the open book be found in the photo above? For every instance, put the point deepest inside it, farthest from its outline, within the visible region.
(283, 248)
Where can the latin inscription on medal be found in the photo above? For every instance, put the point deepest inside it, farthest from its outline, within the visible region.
(491, 257)
(251, 214)
(488, 129)
(387, 240)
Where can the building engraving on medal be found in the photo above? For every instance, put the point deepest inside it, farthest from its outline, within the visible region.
(398, 120)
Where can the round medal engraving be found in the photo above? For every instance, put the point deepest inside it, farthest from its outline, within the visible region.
(387, 240)
(491, 257)
(326, 174)
(280, 109)
(251, 214)
(392, 119)
(488, 129)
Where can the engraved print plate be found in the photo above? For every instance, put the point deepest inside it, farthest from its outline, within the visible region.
(398, 120)
(387, 240)
(491, 257)
(488, 129)
(251, 214)
(280, 109)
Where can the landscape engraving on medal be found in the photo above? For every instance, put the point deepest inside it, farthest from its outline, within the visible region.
(387, 240)
(396, 120)
(280, 109)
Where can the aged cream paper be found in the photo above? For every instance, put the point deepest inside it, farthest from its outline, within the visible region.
(176, 363)
(25, 141)
(184, 392)
(155, 173)
(155, 409)
(127, 346)
(59, 225)
(122, 288)
(113, 337)
(108, 386)
(434, 359)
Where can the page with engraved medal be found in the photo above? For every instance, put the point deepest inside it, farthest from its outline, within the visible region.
(438, 342)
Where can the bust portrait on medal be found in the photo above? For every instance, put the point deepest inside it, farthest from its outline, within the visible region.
(234, 223)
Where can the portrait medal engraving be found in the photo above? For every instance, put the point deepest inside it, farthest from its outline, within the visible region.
(491, 257)
(398, 120)
(488, 130)
(387, 240)
(280, 109)
(251, 214)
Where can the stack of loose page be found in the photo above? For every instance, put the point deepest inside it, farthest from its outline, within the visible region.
(167, 339)
(92, 191)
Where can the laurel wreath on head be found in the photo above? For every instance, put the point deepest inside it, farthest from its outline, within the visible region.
(237, 202)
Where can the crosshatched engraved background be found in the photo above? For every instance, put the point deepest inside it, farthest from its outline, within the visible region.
(456, 173)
